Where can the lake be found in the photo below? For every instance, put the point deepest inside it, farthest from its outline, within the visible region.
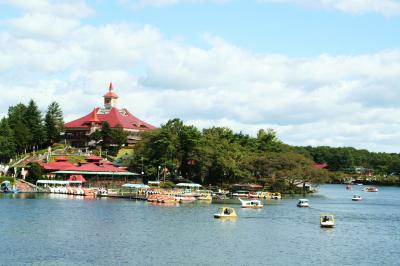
(45, 229)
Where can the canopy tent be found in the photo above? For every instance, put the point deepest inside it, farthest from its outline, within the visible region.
(137, 186)
(190, 185)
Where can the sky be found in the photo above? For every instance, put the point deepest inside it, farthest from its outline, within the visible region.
(318, 72)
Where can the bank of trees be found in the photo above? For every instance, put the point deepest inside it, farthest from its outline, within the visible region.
(218, 156)
(348, 159)
(25, 128)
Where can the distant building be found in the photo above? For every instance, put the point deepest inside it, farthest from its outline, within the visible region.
(77, 132)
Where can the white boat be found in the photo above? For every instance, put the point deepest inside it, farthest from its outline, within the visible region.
(356, 198)
(185, 198)
(371, 189)
(251, 204)
(303, 203)
(327, 220)
(102, 192)
(225, 212)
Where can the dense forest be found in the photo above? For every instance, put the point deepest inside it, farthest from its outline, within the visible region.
(217, 155)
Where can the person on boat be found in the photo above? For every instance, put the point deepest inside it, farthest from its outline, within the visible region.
(325, 219)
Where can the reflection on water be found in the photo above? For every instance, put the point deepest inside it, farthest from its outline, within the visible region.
(51, 229)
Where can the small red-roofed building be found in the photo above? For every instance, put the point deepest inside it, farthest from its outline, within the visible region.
(77, 132)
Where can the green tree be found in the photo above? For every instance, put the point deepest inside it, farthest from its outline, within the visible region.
(17, 122)
(54, 122)
(106, 134)
(34, 122)
(7, 144)
(35, 173)
(119, 137)
(96, 135)
(22, 136)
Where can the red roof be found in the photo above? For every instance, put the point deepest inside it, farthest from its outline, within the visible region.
(114, 117)
(61, 159)
(94, 117)
(56, 166)
(110, 93)
(77, 178)
(93, 158)
(91, 167)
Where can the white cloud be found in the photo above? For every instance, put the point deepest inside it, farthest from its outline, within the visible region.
(59, 8)
(385, 7)
(322, 100)
(139, 4)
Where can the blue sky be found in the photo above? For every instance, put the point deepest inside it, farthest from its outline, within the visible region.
(320, 72)
(263, 27)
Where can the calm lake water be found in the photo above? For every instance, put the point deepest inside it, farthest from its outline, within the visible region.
(66, 230)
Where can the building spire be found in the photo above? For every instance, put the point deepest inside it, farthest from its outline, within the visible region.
(110, 98)
(94, 117)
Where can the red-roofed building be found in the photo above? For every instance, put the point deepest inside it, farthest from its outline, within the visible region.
(77, 131)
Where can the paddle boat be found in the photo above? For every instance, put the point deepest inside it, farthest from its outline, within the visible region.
(251, 204)
(303, 203)
(6, 187)
(371, 189)
(185, 198)
(102, 192)
(204, 195)
(356, 198)
(348, 187)
(327, 220)
(225, 212)
(276, 195)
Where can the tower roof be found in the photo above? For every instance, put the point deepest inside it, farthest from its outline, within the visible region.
(110, 93)
(114, 117)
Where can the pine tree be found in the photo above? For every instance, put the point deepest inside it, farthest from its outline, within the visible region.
(106, 134)
(34, 122)
(54, 122)
(7, 144)
(17, 122)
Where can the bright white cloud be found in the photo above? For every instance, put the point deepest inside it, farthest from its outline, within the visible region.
(322, 100)
(385, 7)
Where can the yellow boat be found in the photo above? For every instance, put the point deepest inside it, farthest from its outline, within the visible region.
(327, 220)
(204, 195)
(276, 195)
(225, 212)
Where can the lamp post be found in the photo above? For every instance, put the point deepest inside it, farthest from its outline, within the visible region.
(142, 168)
(158, 173)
